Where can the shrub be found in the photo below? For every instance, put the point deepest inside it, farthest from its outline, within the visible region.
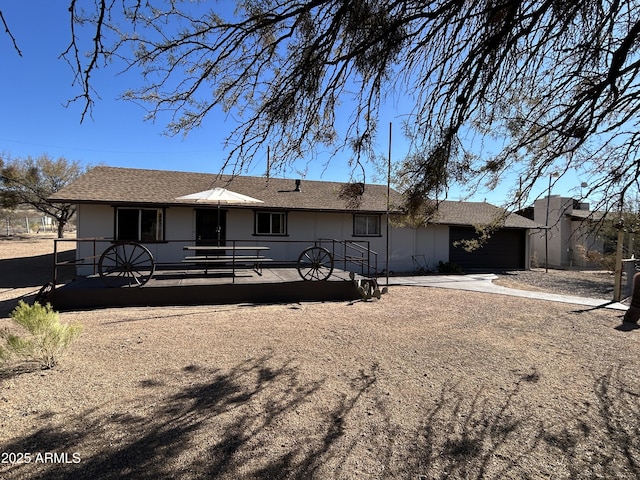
(48, 338)
(448, 267)
(596, 258)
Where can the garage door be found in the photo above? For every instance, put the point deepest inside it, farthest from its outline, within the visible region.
(505, 250)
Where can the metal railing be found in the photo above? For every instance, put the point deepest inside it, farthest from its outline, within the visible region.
(346, 253)
(91, 260)
(349, 253)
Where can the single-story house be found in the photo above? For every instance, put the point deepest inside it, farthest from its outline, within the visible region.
(144, 205)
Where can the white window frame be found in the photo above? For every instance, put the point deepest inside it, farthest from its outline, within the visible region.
(283, 223)
(372, 225)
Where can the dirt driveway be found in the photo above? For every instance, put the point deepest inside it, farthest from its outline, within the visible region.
(423, 384)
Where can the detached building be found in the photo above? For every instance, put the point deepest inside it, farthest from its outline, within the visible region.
(570, 232)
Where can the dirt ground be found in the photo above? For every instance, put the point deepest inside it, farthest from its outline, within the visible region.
(425, 383)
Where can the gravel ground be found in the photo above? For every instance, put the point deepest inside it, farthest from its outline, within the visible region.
(424, 384)
(592, 284)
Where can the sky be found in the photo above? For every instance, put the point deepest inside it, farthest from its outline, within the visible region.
(35, 119)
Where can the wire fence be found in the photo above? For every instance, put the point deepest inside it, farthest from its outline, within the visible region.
(27, 222)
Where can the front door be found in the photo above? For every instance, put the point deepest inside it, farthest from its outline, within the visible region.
(211, 226)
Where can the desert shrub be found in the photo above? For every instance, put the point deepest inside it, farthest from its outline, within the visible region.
(47, 337)
(595, 258)
(535, 263)
(448, 267)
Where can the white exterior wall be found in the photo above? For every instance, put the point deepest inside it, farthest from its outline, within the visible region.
(414, 248)
(566, 237)
(92, 221)
(434, 245)
(555, 240)
(306, 227)
(427, 246)
(97, 221)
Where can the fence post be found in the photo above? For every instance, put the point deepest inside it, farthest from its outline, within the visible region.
(618, 271)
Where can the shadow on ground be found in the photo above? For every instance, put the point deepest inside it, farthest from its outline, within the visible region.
(474, 435)
(263, 421)
(242, 423)
(29, 273)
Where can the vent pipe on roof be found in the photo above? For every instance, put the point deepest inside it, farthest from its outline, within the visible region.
(297, 189)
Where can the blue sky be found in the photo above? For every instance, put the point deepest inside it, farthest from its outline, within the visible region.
(34, 89)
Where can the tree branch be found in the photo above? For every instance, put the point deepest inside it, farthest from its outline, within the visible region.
(7, 30)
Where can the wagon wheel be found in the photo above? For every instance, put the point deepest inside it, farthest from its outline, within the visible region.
(126, 264)
(315, 263)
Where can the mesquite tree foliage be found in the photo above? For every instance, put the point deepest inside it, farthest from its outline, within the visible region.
(496, 86)
(31, 181)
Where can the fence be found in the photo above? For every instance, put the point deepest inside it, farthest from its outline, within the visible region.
(16, 223)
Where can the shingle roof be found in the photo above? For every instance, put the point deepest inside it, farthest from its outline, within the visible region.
(118, 186)
(585, 215)
(478, 213)
(113, 185)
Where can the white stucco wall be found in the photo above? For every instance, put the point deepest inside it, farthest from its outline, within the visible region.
(555, 241)
(97, 222)
(92, 222)
(426, 245)
(565, 237)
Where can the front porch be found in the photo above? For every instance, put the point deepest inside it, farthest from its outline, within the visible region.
(189, 287)
(133, 279)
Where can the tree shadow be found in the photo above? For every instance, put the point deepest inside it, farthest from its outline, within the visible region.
(601, 440)
(481, 435)
(464, 434)
(238, 423)
(596, 287)
(264, 418)
(619, 409)
(20, 368)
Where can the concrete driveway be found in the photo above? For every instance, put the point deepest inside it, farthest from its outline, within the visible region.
(483, 282)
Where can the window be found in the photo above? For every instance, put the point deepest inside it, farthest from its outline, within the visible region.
(366, 225)
(139, 224)
(271, 223)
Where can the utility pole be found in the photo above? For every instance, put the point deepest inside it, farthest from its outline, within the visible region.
(546, 227)
(388, 203)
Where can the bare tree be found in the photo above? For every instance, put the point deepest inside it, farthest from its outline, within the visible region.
(497, 86)
(32, 181)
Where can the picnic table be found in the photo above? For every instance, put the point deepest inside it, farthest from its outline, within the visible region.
(227, 256)
(131, 264)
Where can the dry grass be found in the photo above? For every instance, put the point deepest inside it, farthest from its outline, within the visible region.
(424, 384)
